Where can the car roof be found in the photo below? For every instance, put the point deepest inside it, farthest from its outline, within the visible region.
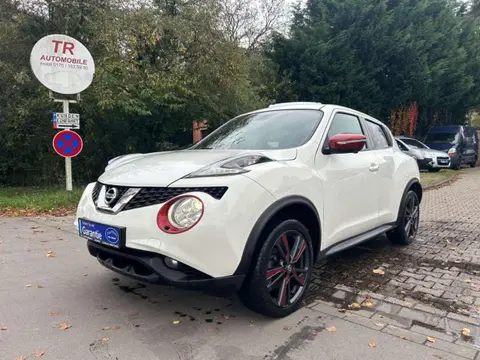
(307, 105)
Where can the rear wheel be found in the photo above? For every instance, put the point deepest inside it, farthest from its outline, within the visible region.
(281, 275)
(473, 163)
(408, 221)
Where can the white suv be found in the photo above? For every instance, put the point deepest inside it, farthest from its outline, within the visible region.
(253, 205)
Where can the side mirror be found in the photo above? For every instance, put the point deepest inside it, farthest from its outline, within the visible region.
(346, 143)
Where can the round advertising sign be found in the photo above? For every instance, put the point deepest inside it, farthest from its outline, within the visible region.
(62, 64)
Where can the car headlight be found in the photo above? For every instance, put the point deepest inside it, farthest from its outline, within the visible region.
(452, 151)
(180, 214)
(230, 166)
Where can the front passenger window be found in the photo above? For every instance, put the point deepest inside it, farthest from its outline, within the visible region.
(344, 124)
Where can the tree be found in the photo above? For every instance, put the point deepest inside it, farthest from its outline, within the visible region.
(380, 56)
(156, 72)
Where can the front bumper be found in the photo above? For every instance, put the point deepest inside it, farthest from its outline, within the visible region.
(213, 247)
(434, 163)
(150, 268)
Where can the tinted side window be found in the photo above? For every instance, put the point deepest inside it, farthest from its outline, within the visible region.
(379, 137)
(344, 124)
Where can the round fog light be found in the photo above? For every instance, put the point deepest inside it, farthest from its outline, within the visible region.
(171, 263)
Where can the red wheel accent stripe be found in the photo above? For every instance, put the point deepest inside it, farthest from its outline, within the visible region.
(300, 251)
(287, 247)
(299, 278)
(283, 297)
(273, 272)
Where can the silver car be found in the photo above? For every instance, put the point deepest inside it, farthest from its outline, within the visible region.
(427, 159)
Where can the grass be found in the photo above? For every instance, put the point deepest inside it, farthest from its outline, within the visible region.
(24, 201)
(430, 179)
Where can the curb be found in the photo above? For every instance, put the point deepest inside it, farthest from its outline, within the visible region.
(442, 183)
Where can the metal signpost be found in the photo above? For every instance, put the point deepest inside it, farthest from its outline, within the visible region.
(64, 66)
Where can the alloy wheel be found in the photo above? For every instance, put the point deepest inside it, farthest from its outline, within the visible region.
(288, 267)
(412, 217)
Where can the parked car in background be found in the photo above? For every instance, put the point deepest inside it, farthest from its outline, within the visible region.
(427, 159)
(459, 141)
(253, 205)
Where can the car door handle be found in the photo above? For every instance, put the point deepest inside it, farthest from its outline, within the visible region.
(374, 167)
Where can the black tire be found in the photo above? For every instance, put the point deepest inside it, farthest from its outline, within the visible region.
(457, 166)
(268, 269)
(433, 170)
(473, 163)
(409, 209)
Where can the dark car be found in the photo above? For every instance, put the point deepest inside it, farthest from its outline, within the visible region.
(459, 141)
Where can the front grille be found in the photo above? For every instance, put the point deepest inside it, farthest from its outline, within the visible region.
(443, 158)
(154, 196)
(96, 191)
(98, 186)
(148, 196)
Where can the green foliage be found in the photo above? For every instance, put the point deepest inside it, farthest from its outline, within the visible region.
(379, 55)
(156, 72)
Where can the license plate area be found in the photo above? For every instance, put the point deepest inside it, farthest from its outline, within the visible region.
(109, 235)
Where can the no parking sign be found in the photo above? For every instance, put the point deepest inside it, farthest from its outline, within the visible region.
(67, 143)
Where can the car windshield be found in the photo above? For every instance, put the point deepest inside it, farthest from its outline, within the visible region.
(414, 143)
(441, 138)
(278, 129)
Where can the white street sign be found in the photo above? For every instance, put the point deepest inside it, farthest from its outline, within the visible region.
(62, 64)
(66, 121)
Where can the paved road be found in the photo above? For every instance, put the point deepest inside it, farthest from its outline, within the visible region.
(115, 318)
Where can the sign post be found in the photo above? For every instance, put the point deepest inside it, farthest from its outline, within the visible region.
(64, 65)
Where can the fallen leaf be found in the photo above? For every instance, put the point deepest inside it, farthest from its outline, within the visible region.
(116, 327)
(453, 249)
(332, 329)
(105, 339)
(379, 324)
(342, 310)
(54, 313)
(378, 271)
(176, 322)
(287, 327)
(106, 328)
(368, 304)
(85, 274)
(40, 286)
(431, 339)
(372, 344)
(39, 353)
(354, 305)
(466, 332)
(21, 358)
(28, 285)
(64, 326)
(50, 254)
(4, 328)
(403, 337)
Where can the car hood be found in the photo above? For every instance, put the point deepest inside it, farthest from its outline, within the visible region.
(440, 147)
(434, 152)
(164, 168)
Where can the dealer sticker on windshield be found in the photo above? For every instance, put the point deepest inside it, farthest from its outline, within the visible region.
(101, 233)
